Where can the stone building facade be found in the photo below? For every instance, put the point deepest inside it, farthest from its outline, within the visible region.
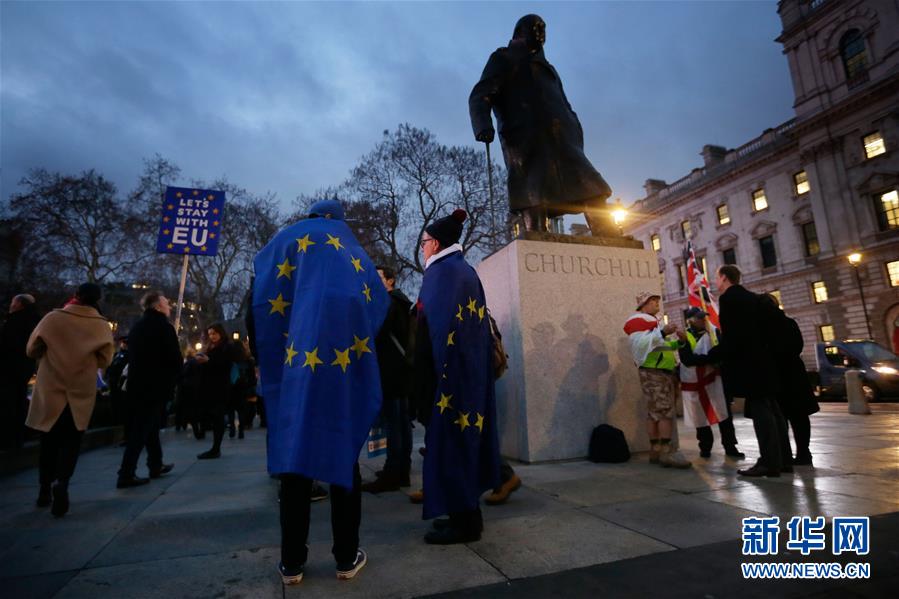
(790, 206)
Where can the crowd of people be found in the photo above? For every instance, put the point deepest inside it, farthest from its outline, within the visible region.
(755, 356)
(148, 379)
(335, 349)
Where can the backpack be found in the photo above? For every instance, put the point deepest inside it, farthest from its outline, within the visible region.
(500, 357)
(607, 444)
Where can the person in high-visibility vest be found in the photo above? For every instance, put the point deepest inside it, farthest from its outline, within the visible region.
(706, 401)
(655, 357)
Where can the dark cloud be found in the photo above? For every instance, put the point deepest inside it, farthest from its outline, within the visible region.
(286, 96)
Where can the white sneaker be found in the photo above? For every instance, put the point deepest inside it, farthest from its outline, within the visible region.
(347, 571)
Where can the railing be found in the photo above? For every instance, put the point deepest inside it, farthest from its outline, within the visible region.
(697, 175)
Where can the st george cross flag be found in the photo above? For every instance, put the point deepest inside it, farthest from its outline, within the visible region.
(318, 304)
(703, 393)
(698, 286)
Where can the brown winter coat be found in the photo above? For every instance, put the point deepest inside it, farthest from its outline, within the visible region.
(70, 345)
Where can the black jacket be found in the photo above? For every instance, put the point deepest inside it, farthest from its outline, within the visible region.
(746, 349)
(393, 346)
(154, 359)
(15, 366)
(215, 375)
(795, 395)
(424, 377)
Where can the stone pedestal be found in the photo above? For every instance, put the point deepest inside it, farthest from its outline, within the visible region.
(560, 308)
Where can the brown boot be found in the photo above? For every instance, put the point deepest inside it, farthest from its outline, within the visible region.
(417, 497)
(501, 493)
(655, 449)
(671, 458)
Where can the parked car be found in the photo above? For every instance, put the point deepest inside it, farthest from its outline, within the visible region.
(879, 366)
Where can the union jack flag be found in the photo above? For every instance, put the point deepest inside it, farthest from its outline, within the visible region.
(698, 293)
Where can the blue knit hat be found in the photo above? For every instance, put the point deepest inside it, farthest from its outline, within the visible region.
(327, 209)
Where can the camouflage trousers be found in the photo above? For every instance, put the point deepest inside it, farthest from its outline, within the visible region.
(660, 388)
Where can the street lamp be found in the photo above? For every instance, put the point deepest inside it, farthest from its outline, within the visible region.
(619, 213)
(854, 260)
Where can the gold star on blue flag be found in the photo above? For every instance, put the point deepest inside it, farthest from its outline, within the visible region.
(319, 376)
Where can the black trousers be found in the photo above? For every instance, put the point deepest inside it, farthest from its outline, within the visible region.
(60, 447)
(346, 515)
(725, 428)
(468, 522)
(771, 433)
(142, 430)
(219, 409)
(802, 433)
(14, 398)
(398, 429)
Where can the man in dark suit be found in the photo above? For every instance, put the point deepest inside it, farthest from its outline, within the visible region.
(155, 362)
(751, 367)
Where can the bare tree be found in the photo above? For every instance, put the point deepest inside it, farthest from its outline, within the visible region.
(76, 225)
(220, 283)
(408, 181)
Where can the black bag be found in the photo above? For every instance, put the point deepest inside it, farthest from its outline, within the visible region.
(607, 444)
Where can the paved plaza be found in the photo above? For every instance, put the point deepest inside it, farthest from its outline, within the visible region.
(210, 529)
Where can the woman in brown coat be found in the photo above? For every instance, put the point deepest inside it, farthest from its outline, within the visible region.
(70, 344)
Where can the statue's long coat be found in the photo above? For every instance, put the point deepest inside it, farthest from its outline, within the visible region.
(542, 139)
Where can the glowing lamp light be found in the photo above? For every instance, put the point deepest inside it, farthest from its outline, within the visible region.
(854, 258)
(235, 335)
(198, 346)
(619, 213)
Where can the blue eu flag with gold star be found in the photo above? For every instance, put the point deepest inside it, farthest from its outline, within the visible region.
(318, 304)
(462, 460)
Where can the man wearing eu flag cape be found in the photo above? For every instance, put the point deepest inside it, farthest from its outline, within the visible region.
(454, 370)
(318, 304)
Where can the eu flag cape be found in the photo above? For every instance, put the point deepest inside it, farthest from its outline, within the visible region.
(318, 304)
(462, 460)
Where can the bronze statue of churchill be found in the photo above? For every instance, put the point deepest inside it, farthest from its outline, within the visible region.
(541, 136)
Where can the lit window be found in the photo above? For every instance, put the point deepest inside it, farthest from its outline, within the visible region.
(769, 255)
(729, 256)
(893, 272)
(656, 242)
(703, 265)
(759, 201)
(776, 294)
(685, 229)
(665, 319)
(888, 210)
(801, 181)
(826, 332)
(855, 59)
(874, 145)
(810, 237)
(723, 216)
(819, 291)
(681, 276)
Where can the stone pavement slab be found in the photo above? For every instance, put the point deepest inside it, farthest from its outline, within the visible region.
(680, 520)
(709, 571)
(210, 529)
(533, 545)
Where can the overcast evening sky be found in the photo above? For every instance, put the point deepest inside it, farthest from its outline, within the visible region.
(285, 97)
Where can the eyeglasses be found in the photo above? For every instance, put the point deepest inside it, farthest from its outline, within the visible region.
(424, 241)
